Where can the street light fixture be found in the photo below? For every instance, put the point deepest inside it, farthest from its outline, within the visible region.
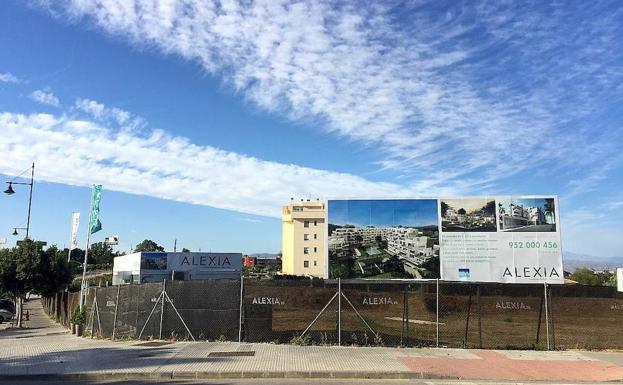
(19, 228)
(10, 191)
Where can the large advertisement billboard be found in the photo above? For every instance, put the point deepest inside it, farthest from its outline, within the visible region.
(478, 239)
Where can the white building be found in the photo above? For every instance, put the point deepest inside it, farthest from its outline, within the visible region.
(157, 266)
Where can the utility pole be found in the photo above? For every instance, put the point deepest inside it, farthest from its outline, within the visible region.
(32, 180)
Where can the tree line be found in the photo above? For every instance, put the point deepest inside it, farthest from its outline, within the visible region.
(28, 268)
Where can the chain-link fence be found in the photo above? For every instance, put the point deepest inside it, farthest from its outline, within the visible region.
(355, 312)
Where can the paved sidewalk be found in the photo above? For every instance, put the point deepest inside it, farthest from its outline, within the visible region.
(46, 349)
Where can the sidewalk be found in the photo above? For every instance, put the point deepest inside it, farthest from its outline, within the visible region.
(46, 349)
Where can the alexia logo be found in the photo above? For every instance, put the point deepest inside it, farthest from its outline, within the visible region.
(508, 305)
(206, 260)
(267, 301)
(531, 272)
(379, 301)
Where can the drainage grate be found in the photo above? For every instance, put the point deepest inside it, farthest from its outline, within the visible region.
(153, 343)
(246, 353)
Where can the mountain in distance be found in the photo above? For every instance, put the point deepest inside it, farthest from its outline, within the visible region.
(573, 261)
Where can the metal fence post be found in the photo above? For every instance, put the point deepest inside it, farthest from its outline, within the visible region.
(469, 312)
(437, 315)
(164, 290)
(538, 325)
(551, 317)
(546, 314)
(114, 323)
(93, 305)
(405, 317)
(478, 305)
(240, 310)
(339, 312)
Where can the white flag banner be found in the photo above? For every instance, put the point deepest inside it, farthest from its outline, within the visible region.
(75, 222)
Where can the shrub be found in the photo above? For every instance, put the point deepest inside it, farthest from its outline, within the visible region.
(79, 316)
(300, 341)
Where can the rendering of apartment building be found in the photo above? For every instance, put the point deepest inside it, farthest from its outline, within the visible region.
(404, 242)
(303, 233)
(522, 216)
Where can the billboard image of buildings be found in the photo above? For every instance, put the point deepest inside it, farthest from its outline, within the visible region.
(393, 238)
(468, 214)
(476, 239)
(527, 215)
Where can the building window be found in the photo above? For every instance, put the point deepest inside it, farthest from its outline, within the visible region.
(305, 250)
(305, 263)
(298, 208)
(306, 237)
(315, 263)
(306, 224)
(315, 223)
(315, 236)
(315, 249)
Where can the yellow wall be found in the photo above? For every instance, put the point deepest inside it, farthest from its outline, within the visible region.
(293, 238)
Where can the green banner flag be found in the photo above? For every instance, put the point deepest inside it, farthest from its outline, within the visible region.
(96, 225)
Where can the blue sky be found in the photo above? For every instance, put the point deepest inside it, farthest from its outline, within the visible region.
(383, 213)
(200, 119)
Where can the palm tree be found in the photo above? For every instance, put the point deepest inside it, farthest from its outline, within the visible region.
(550, 210)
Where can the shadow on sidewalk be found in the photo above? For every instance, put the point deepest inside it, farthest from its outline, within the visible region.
(107, 359)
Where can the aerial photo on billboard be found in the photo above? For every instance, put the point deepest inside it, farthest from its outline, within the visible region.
(468, 214)
(527, 214)
(389, 238)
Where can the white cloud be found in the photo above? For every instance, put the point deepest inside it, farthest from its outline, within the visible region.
(8, 77)
(157, 164)
(439, 104)
(91, 107)
(45, 97)
(101, 112)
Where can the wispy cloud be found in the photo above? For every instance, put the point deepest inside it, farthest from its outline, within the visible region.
(103, 113)
(465, 95)
(75, 151)
(8, 77)
(250, 220)
(45, 97)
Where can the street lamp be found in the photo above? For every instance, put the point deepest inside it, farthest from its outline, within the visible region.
(19, 228)
(10, 191)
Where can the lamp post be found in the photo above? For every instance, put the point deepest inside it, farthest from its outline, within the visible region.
(10, 191)
(19, 228)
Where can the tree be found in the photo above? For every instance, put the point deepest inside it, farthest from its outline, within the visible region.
(444, 208)
(101, 253)
(148, 245)
(29, 271)
(8, 274)
(549, 210)
(185, 250)
(489, 208)
(461, 211)
(430, 267)
(586, 276)
(56, 272)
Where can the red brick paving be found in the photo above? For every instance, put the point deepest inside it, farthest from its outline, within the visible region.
(496, 366)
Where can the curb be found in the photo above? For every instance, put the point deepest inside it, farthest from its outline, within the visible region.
(227, 375)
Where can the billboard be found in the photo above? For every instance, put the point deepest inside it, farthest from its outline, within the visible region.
(478, 239)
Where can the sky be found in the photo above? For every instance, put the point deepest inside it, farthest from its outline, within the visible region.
(200, 118)
(383, 213)
(469, 204)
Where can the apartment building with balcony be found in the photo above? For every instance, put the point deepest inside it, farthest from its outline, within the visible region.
(404, 242)
(303, 234)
